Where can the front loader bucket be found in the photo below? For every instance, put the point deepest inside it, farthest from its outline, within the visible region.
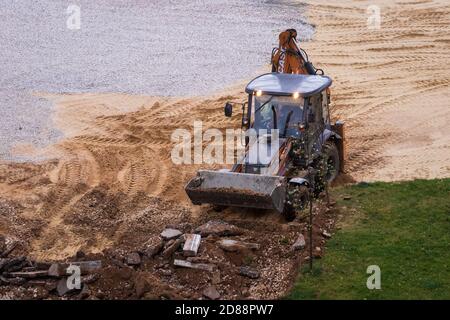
(237, 189)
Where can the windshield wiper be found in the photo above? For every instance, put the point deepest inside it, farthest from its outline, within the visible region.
(288, 118)
(275, 122)
(270, 99)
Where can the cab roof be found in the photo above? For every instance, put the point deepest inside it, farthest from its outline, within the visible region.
(286, 84)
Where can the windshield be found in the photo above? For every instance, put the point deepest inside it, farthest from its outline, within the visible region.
(287, 111)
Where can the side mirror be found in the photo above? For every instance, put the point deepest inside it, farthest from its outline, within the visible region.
(311, 118)
(228, 109)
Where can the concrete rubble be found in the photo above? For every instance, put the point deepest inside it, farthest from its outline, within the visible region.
(29, 274)
(170, 250)
(169, 234)
(133, 259)
(236, 245)
(326, 234)
(85, 266)
(218, 228)
(55, 270)
(211, 293)
(300, 243)
(212, 261)
(153, 246)
(249, 272)
(198, 266)
(191, 245)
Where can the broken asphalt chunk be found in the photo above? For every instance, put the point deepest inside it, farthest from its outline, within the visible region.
(62, 289)
(133, 259)
(58, 270)
(12, 264)
(12, 281)
(170, 250)
(218, 228)
(87, 266)
(29, 275)
(152, 247)
(249, 272)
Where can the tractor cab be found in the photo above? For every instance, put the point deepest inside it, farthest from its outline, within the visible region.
(292, 108)
(293, 104)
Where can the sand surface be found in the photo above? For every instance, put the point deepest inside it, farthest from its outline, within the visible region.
(390, 87)
(161, 48)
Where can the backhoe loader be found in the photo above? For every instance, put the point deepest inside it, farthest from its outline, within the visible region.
(288, 114)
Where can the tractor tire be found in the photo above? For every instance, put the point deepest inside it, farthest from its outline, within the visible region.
(296, 200)
(331, 153)
(327, 166)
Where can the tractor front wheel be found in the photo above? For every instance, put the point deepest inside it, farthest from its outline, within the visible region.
(327, 167)
(332, 161)
(296, 200)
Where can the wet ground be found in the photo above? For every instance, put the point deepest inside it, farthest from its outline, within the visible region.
(171, 48)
